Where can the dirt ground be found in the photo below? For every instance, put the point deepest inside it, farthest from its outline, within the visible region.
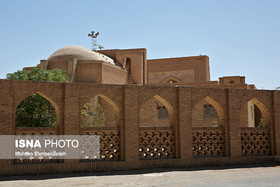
(256, 175)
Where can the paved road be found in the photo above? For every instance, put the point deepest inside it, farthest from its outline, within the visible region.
(250, 176)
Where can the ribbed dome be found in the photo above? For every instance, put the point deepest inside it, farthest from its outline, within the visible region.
(80, 53)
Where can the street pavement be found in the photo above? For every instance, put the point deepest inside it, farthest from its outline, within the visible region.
(254, 175)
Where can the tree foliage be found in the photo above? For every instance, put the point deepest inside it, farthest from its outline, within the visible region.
(260, 123)
(93, 116)
(38, 74)
(35, 110)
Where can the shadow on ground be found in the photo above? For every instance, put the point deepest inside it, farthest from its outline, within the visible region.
(130, 172)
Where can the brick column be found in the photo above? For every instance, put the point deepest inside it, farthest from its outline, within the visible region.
(277, 121)
(131, 127)
(234, 122)
(71, 113)
(185, 123)
(7, 116)
(6, 108)
(71, 110)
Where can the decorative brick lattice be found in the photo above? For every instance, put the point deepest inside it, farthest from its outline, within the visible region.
(109, 141)
(156, 143)
(208, 141)
(36, 131)
(255, 141)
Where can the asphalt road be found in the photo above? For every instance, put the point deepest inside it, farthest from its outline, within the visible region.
(249, 176)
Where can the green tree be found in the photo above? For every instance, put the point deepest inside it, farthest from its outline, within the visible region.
(38, 74)
(35, 110)
(93, 116)
(260, 123)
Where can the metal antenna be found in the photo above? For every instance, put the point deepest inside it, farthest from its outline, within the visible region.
(100, 47)
(93, 36)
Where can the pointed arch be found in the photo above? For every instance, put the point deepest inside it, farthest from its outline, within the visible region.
(199, 117)
(218, 108)
(265, 114)
(57, 110)
(264, 111)
(149, 113)
(105, 114)
(168, 106)
(58, 115)
(113, 104)
(47, 98)
(170, 78)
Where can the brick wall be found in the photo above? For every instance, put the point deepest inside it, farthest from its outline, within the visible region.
(113, 75)
(132, 104)
(148, 115)
(186, 70)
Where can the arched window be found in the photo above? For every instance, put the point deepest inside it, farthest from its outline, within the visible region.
(93, 114)
(254, 114)
(162, 112)
(100, 112)
(156, 112)
(35, 111)
(209, 111)
(156, 135)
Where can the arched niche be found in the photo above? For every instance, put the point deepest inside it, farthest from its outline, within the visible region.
(254, 114)
(101, 111)
(37, 110)
(170, 80)
(156, 112)
(207, 113)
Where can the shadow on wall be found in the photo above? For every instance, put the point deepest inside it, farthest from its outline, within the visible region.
(101, 111)
(156, 112)
(254, 114)
(207, 113)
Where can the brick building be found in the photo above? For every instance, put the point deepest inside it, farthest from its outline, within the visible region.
(159, 112)
(130, 66)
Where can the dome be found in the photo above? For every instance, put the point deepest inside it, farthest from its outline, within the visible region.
(80, 53)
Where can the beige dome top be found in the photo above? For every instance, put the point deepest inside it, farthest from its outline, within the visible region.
(80, 53)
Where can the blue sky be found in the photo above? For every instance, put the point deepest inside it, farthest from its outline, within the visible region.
(240, 37)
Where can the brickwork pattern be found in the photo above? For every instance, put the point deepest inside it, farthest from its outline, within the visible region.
(109, 141)
(156, 143)
(255, 141)
(198, 117)
(191, 146)
(29, 131)
(149, 114)
(208, 142)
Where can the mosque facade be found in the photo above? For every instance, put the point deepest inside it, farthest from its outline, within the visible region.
(159, 112)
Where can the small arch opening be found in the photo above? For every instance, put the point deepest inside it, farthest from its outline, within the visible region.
(170, 80)
(207, 113)
(254, 114)
(100, 112)
(35, 111)
(156, 112)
